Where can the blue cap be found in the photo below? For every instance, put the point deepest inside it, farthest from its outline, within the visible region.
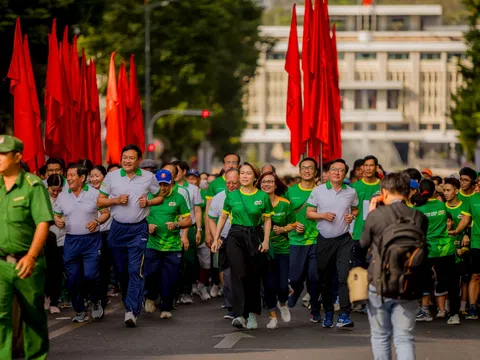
(414, 184)
(164, 176)
(193, 172)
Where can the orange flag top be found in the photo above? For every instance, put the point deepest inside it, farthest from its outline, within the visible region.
(136, 130)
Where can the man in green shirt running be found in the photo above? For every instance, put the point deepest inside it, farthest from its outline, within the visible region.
(468, 178)
(303, 240)
(164, 248)
(366, 188)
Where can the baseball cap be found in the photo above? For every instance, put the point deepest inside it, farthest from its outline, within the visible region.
(9, 143)
(164, 176)
(427, 171)
(193, 172)
(148, 163)
(414, 184)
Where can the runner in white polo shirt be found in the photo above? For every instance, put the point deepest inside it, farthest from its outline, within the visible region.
(125, 192)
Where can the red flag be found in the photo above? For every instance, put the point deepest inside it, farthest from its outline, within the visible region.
(83, 132)
(94, 138)
(70, 150)
(336, 141)
(136, 130)
(122, 91)
(307, 76)
(294, 93)
(115, 134)
(53, 102)
(26, 114)
(367, 2)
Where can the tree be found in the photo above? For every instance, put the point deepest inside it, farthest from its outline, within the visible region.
(203, 53)
(466, 110)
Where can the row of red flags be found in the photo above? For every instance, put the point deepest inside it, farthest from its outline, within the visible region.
(72, 111)
(315, 127)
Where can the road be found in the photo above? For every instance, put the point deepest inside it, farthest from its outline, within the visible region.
(198, 332)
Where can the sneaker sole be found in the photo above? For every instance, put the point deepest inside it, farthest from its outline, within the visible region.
(238, 325)
(349, 325)
(98, 317)
(471, 317)
(228, 317)
(327, 326)
(79, 321)
(130, 323)
(424, 320)
(315, 321)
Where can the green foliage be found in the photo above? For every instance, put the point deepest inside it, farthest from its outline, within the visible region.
(203, 53)
(466, 111)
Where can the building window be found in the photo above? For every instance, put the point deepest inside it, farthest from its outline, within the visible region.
(450, 127)
(366, 56)
(397, 23)
(398, 56)
(339, 21)
(430, 56)
(365, 99)
(276, 55)
(398, 127)
(392, 99)
(456, 56)
(372, 127)
(341, 55)
(423, 126)
(435, 126)
(342, 96)
(357, 127)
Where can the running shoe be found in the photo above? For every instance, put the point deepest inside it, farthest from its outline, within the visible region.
(463, 313)
(272, 324)
(214, 291)
(252, 323)
(97, 310)
(315, 317)
(239, 322)
(130, 320)
(165, 315)
(80, 317)
(54, 310)
(442, 314)
(201, 291)
(284, 312)
(344, 321)
(292, 301)
(472, 314)
(187, 299)
(328, 321)
(149, 306)
(424, 315)
(229, 316)
(46, 303)
(453, 320)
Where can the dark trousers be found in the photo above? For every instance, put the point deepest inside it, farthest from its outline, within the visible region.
(303, 266)
(359, 255)
(128, 243)
(334, 256)
(105, 268)
(189, 270)
(81, 255)
(162, 273)
(245, 272)
(54, 272)
(276, 287)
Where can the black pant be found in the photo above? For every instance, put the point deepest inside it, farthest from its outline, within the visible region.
(359, 255)
(54, 272)
(106, 269)
(246, 273)
(333, 257)
(447, 280)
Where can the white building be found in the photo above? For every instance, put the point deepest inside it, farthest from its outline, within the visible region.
(398, 70)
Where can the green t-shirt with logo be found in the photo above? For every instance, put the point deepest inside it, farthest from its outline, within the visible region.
(173, 207)
(464, 198)
(365, 192)
(283, 215)
(298, 198)
(257, 204)
(438, 241)
(216, 186)
(474, 210)
(457, 213)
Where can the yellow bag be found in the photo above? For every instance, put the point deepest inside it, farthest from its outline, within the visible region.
(358, 284)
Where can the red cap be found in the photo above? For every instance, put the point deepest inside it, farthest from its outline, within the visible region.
(427, 171)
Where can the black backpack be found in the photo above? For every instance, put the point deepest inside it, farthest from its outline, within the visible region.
(398, 264)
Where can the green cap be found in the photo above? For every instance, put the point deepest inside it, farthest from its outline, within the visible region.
(9, 143)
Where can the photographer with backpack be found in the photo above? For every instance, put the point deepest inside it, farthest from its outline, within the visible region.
(395, 237)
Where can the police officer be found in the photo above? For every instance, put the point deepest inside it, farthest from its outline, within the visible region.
(76, 211)
(125, 192)
(25, 219)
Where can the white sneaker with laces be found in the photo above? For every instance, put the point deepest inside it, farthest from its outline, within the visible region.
(204, 295)
(454, 320)
(272, 324)
(187, 299)
(214, 291)
(149, 306)
(165, 315)
(252, 323)
(284, 312)
(442, 314)
(130, 319)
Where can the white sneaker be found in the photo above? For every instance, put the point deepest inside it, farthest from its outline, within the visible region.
(46, 303)
(80, 317)
(187, 299)
(214, 291)
(272, 324)
(150, 306)
(442, 314)
(252, 323)
(239, 322)
(284, 313)
(97, 310)
(130, 320)
(54, 310)
(203, 293)
(454, 320)
(165, 315)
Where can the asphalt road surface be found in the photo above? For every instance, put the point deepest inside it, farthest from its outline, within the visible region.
(199, 332)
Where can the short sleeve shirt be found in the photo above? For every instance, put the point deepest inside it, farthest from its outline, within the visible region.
(216, 186)
(215, 211)
(173, 207)
(325, 199)
(298, 199)
(22, 208)
(195, 198)
(247, 209)
(365, 192)
(117, 183)
(78, 211)
(283, 215)
(474, 210)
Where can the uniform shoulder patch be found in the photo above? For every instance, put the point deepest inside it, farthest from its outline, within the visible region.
(33, 180)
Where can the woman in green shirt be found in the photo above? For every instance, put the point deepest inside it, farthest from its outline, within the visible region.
(283, 220)
(441, 255)
(249, 209)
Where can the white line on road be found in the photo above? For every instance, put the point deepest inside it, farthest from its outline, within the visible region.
(229, 340)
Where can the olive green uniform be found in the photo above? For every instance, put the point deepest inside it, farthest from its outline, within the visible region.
(22, 208)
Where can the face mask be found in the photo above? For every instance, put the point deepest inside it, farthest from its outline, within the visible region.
(203, 184)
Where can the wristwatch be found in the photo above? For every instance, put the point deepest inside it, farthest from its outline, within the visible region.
(176, 225)
(354, 216)
(98, 222)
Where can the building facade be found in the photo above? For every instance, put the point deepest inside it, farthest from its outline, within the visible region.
(398, 70)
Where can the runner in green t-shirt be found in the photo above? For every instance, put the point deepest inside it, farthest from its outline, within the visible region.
(468, 177)
(303, 240)
(163, 254)
(283, 219)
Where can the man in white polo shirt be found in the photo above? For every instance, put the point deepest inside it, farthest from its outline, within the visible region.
(334, 206)
(76, 211)
(125, 192)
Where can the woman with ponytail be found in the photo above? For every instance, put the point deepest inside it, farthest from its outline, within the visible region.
(441, 256)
